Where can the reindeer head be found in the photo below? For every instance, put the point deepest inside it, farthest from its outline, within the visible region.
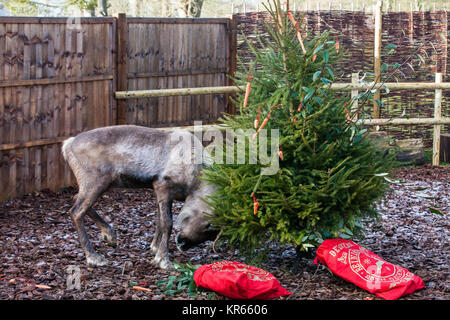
(192, 225)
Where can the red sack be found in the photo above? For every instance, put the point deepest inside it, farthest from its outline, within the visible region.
(367, 270)
(238, 281)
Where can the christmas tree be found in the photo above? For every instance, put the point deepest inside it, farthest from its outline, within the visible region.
(329, 175)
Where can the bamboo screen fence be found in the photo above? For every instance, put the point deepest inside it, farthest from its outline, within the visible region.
(425, 33)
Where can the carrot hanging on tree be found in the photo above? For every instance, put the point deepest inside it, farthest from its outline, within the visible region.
(299, 37)
(296, 24)
(255, 204)
(347, 113)
(247, 88)
(257, 118)
(266, 119)
(280, 153)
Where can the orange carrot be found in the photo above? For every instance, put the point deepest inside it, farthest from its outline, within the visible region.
(291, 17)
(347, 113)
(257, 118)
(280, 153)
(142, 289)
(337, 45)
(299, 37)
(247, 89)
(266, 119)
(42, 286)
(255, 204)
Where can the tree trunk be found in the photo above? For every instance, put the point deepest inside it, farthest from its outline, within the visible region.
(444, 153)
(191, 8)
(410, 151)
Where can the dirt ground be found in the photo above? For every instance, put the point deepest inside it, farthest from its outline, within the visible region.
(38, 243)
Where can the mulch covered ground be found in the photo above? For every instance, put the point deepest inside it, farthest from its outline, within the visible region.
(38, 243)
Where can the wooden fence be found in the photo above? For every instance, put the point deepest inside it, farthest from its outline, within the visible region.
(56, 80)
(165, 53)
(58, 77)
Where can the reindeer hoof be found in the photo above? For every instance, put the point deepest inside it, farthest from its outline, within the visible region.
(96, 261)
(163, 264)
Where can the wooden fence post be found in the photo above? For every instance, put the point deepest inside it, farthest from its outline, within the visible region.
(121, 85)
(437, 115)
(377, 55)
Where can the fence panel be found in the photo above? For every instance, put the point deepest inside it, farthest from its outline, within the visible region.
(165, 53)
(56, 80)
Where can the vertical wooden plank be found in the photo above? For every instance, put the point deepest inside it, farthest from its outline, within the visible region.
(231, 108)
(45, 105)
(162, 83)
(169, 60)
(90, 52)
(38, 127)
(103, 71)
(190, 83)
(377, 55)
(68, 123)
(3, 162)
(78, 86)
(175, 65)
(179, 101)
(60, 40)
(162, 102)
(121, 66)
(140, 64)
(19, 106)
(113, 71)
(11, 71)
(49, 30)
(437, 115)
(145, 68)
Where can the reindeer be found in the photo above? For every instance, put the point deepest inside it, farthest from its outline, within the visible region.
(133, 156)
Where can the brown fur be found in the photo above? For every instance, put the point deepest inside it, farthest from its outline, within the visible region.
(133, 156)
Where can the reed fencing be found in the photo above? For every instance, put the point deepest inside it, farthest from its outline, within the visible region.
(420, 39)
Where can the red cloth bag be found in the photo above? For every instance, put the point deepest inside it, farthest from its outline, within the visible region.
(367, 270)
(238, 281)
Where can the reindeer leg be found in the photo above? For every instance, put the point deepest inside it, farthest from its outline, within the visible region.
(157, 236)
(77, 213)
(164, 199)
(108, 233)
(89, 191)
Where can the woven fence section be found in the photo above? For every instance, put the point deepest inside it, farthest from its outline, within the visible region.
(421, 48)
